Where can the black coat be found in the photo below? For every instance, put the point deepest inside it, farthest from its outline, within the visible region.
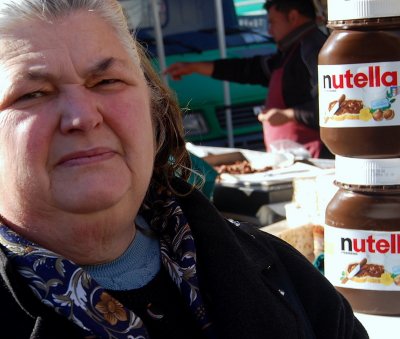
(255, 285)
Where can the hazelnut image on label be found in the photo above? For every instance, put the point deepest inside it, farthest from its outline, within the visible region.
(378, 115)
(388, 114)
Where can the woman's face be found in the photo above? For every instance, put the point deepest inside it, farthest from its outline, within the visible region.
(76, 135)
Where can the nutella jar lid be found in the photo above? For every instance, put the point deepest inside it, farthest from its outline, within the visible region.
(362, 9)
(369, 172)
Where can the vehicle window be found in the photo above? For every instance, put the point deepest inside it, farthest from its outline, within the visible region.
(190, 26)
(252, 15)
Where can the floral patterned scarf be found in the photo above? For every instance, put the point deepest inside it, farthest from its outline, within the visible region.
(71, 292)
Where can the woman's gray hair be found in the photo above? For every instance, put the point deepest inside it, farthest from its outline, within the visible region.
(13, 11)
(171, 159)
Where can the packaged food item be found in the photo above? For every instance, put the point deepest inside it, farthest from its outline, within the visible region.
(318, 236)
(358, 77)
(362, 234)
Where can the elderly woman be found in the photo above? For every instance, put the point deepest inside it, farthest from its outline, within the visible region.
(101, 235)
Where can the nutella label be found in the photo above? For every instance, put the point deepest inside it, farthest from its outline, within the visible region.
(359, 95)
(359, 259)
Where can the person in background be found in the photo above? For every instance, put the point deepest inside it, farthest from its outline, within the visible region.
(291, 106)
(101, 236)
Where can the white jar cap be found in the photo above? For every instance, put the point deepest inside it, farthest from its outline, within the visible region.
(371, 172)
(362, 9)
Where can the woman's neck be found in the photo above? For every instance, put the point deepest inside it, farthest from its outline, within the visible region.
(81, 239)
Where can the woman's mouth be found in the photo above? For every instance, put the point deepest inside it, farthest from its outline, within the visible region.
(86, 157)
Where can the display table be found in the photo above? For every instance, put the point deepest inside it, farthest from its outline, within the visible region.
(379, 327)
(262, 205)
(258, 184)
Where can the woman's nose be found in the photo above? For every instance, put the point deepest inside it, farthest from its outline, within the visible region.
(79, 111)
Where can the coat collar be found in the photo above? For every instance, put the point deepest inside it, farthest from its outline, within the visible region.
(239, 275)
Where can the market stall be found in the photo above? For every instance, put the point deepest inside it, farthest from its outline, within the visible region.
(256, 186)
(286, 197)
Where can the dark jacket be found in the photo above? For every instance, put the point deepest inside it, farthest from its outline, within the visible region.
(300, 77)
(255, 286)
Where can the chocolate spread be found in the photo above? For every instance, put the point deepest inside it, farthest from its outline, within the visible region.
(362, 236)
(357, 210)
(367, 270)
(346, 106)
(361, 55)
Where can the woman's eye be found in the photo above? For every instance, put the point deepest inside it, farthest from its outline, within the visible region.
(108, 82)
(32, 95)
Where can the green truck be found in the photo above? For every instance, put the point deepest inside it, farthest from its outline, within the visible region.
(189, 33)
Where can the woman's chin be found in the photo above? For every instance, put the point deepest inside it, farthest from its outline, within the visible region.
(92, 197)
(90, 202)
(93, 191)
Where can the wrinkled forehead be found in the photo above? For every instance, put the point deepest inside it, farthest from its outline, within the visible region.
(52, 50)
(78, 23)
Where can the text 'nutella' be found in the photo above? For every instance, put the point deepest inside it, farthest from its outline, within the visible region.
(360, 95)
(377, 251)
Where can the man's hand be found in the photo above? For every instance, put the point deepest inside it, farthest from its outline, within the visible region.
(179, 69)
(277, 116)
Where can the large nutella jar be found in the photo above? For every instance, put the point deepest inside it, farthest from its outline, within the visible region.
(358, 79)
(362, 234)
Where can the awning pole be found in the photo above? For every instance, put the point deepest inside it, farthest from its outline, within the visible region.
(159, 39)
(222, 49)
